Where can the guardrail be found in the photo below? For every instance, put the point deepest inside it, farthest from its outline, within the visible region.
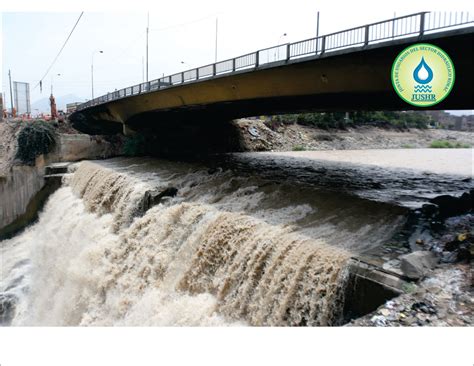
(392, 29)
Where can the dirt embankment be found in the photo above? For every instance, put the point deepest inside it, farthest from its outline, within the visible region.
(8, 146)
(256, 136)
(70, 145)
(24, 153)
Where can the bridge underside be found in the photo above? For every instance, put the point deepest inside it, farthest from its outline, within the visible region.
(340, 81)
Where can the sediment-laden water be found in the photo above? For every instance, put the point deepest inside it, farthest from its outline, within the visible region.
(227, 249)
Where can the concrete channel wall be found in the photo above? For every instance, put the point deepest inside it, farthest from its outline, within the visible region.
(23, 192)
(17, 190)
(74, 147)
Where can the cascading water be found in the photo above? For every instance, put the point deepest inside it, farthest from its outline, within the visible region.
(226, 250)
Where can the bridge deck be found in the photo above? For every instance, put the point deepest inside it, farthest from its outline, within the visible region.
(349, 70)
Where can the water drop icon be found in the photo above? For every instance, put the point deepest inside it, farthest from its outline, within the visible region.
(423, 73)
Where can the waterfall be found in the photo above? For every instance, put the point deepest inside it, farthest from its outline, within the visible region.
(216, 254)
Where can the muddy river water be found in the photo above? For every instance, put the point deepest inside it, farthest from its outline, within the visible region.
(237, 239)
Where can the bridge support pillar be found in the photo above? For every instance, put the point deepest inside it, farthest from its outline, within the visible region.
(127, 131)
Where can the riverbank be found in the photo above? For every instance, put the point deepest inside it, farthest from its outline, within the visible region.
(444, 295)
(22, 183)
(70, 145)
(257, 136)
(444, 298)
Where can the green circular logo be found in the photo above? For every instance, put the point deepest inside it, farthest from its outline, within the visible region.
(423, 75)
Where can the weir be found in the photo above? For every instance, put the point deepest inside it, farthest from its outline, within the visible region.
(220, 252)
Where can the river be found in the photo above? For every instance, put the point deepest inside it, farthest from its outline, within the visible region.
(248, 239)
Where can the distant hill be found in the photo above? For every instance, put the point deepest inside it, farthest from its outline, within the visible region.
(43, 104)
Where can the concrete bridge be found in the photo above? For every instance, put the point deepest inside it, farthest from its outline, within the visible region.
(347, 70)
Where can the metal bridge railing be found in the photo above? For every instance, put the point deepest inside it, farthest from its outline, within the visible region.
(396, 28)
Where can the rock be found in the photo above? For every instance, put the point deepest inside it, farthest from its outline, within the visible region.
(421, 317)
(392, 266)
(461, 246)
(434, 289)
(452, 206)
(152, 198)
(409, 320)
(7, 308)
(379, 320)
(448, 257)
(429, 209)
(424, 307)
(385, 312)
(415, 265)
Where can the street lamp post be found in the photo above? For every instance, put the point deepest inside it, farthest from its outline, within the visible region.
(215, 49)
(317, 31)
(52, 76)
(92, 69)
(278, 46)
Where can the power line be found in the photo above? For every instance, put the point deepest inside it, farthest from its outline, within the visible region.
(184, 24)
(64, 45)
(131, 44)
(140, 35)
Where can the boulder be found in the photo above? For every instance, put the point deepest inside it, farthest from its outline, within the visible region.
(417, 264)
(152, 198)
(430, 209)
(453, 206)
(7, 308)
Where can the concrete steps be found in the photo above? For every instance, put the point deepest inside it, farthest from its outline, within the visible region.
(57, 168)
(368, 287)
(54, 173)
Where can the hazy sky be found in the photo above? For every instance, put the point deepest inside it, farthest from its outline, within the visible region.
(179, 31)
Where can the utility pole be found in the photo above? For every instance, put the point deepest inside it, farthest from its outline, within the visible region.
(393, 24)
(147, 31)
(317, 24)
(11, 93)
(215, 53)
(92, 70)
(317, 30)
(92, 77)
(52, 75)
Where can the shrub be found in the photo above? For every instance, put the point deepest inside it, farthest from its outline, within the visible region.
(35, 138)
(328, 120)
(299, 148)
(444, 144)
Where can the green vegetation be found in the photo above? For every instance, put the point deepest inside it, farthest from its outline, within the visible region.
(444, 144)
(341, 120)
(407, 146)
(408, 288)
(411, 119)
(299, 148)
(35, 138)
(134, 145)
